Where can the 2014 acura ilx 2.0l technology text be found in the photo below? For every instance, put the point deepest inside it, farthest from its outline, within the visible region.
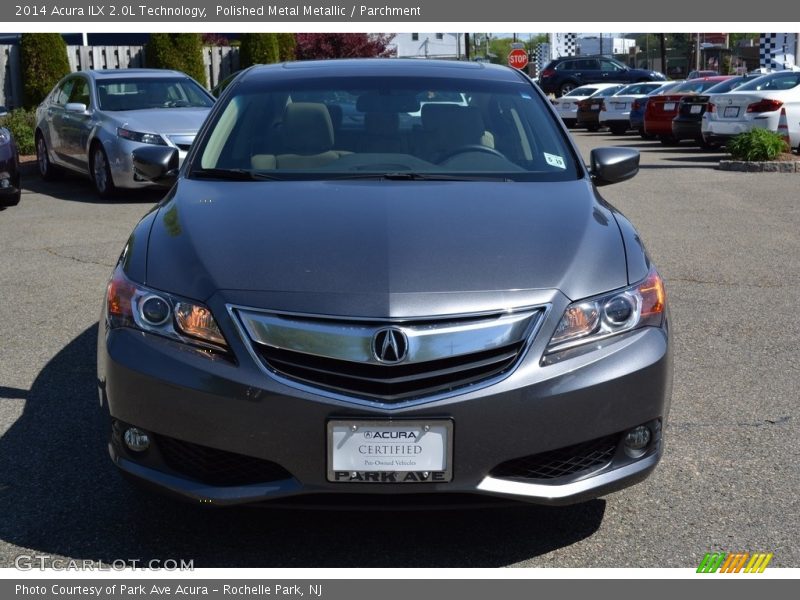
(431, 301)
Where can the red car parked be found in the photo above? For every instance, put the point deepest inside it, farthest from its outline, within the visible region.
(662, 109)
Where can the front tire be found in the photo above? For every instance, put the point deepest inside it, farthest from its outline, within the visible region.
(101, 172)
(618, 129)
(47, 171)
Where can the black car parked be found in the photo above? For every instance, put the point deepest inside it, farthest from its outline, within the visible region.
(564, 74)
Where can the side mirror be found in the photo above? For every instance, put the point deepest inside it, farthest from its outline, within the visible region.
(158, 164)
(612, 165)
(75, 107)
(3, 111)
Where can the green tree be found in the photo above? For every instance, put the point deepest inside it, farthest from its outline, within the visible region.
(43, 58)
(287, 46)
(259, 48)
(179, 51)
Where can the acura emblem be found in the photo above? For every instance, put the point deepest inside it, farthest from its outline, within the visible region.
(390, 345)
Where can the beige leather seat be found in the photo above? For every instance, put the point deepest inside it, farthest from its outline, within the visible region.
(447, 127)
(308, 139)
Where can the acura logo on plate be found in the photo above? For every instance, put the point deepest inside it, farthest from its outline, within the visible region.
(390, 345)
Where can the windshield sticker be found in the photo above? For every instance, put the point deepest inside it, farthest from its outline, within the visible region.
(555, 161)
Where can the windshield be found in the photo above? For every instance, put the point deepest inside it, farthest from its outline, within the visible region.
(155, 92)
(397, 126)
(582, 91)
(607, 92)
(772, 82)
(665, 88)
(728, 85)
(694, 86)
(639, 88)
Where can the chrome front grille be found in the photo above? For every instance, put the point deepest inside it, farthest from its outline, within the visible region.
(343, 357)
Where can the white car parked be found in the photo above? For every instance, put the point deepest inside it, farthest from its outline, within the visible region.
(617, 112)
(757, 103)
(567, 105)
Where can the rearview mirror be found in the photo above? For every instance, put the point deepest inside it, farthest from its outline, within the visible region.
(612, 165)
(158, 164)
(75, 107)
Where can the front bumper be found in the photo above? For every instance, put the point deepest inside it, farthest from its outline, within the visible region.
(183, 396)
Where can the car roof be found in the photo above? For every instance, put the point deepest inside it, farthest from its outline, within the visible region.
(378, 67)
(128, 73)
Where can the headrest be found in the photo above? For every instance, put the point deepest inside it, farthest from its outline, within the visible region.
(307, 128)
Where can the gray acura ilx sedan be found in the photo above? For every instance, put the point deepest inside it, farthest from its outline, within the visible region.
(428, 301)
(92, 120)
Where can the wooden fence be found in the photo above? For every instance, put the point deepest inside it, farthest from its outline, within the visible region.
(219, 61)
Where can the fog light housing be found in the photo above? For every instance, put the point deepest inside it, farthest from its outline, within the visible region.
(136, 439)
(637, 440)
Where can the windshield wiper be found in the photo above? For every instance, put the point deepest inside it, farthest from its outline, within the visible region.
(233, 175)
(414, 176)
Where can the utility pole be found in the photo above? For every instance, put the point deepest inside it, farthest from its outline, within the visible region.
(697, 54)
(601, 44)
(663, 53)
(466, 46)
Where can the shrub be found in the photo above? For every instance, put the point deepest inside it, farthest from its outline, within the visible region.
(286, 46)
(757, 144)
(43, 58)
(179, 51)
(22, 124)
(258, 48)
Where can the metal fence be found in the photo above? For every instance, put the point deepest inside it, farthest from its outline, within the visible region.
(219, 61)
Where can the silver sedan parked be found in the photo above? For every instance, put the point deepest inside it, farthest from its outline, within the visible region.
(93, 120)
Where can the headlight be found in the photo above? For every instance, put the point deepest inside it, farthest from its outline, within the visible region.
(5, 137)
(138, 136)
(129, 304)
(586, 321)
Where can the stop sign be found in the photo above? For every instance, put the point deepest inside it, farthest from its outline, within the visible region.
(518, 58)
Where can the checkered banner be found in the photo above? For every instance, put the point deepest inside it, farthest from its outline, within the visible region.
(541, 56)
(563, 44)
(777, 50)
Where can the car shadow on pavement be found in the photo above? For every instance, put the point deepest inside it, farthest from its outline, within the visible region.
(61, 496)
(76, 188)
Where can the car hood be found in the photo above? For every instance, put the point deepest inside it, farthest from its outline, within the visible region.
(161, 120)
(368, 238)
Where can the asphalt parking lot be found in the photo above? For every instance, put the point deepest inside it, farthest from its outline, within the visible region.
(728, 247)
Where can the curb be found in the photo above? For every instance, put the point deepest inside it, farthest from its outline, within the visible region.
(774, 166)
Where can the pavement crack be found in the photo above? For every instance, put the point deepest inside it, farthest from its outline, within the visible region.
(76, 259)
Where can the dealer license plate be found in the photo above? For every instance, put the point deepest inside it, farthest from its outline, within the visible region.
(695, 108)
(669, 106)
(404, 451)
(595, 107)
(619, 105)
(731, 111)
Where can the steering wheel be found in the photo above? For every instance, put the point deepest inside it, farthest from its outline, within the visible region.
(470, 148)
